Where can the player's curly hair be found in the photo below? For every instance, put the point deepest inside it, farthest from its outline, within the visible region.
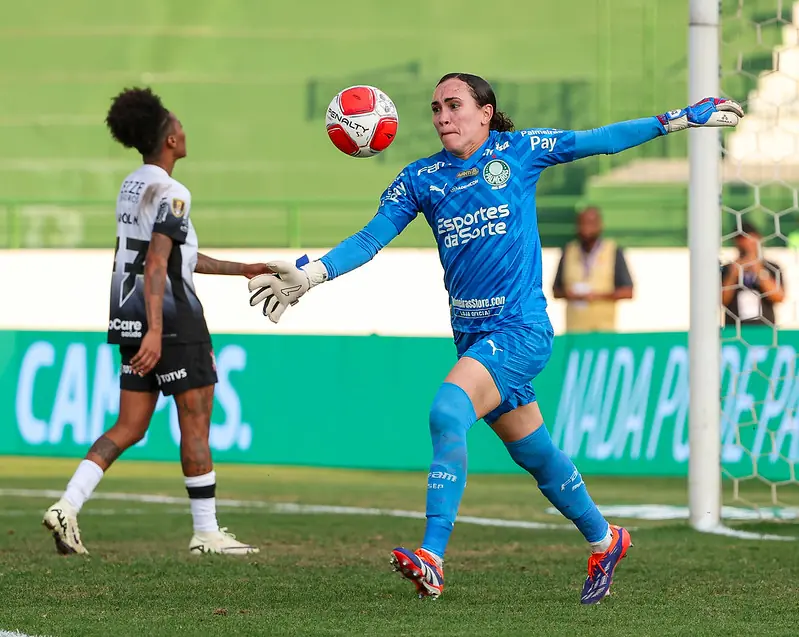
(483, 94)
(137, 119)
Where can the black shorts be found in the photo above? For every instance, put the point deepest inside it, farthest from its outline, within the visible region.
(182, 367)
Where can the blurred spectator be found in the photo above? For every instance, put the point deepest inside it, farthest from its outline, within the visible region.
(592, 276)
(751, 286)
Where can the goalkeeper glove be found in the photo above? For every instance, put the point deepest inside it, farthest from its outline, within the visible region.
(711, 111)
(284, 287)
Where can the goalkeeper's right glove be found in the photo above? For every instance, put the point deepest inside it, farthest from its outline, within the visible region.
(284, 286)
(711, 111)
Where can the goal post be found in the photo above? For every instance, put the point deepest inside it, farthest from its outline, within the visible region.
(704, 242)
(743, 380)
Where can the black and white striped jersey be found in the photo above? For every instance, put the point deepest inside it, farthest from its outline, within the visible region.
(151, 201)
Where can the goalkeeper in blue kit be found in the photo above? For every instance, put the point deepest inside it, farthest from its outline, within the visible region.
(478, 196)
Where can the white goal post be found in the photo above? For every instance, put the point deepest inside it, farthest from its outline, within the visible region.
(704, 242)
(744, 380)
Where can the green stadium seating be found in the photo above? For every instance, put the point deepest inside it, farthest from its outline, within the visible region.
(250, 82)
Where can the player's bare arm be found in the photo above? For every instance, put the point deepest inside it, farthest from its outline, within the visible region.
(154, 286)
(155, 280)
(209, 265)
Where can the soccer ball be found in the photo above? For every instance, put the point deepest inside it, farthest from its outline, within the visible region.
(361, 121)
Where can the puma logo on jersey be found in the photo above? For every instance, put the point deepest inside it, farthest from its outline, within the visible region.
(443, 190)
(494, 348)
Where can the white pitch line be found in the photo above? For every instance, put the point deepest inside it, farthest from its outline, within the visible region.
(290, 507)
(667, 512)
(747, 535)
(326, 509)
(5, 633)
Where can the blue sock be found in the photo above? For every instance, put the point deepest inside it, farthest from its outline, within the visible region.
(559, 481)
(451, 417)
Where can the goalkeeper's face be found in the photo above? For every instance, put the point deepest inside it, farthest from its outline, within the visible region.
(461, 124)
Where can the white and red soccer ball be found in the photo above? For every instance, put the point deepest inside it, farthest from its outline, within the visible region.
(361, 121)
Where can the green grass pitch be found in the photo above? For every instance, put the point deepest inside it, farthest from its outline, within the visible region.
(329, 574)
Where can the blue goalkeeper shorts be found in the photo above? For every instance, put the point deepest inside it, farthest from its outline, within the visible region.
(513, 356)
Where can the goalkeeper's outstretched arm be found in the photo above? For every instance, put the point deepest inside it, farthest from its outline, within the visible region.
(615, 138)
(361, 247)
(287, 282)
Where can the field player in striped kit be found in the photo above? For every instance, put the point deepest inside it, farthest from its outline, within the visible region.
(158, 323)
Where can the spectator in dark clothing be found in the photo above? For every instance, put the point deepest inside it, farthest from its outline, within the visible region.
(751, 285)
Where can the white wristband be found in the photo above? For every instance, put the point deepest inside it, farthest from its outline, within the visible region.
(317, 273)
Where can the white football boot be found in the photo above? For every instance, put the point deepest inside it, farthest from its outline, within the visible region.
(62, 520)
(219, 541)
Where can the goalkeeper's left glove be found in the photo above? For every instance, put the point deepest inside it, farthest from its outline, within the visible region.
(284, 287)
(711, 111)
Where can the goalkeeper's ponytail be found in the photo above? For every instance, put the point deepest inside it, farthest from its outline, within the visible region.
(483, 94)
(500, 122)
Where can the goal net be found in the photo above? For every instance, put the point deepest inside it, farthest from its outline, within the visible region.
(759, 55)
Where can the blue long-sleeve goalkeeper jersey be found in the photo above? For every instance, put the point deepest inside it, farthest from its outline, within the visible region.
(482, 212)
